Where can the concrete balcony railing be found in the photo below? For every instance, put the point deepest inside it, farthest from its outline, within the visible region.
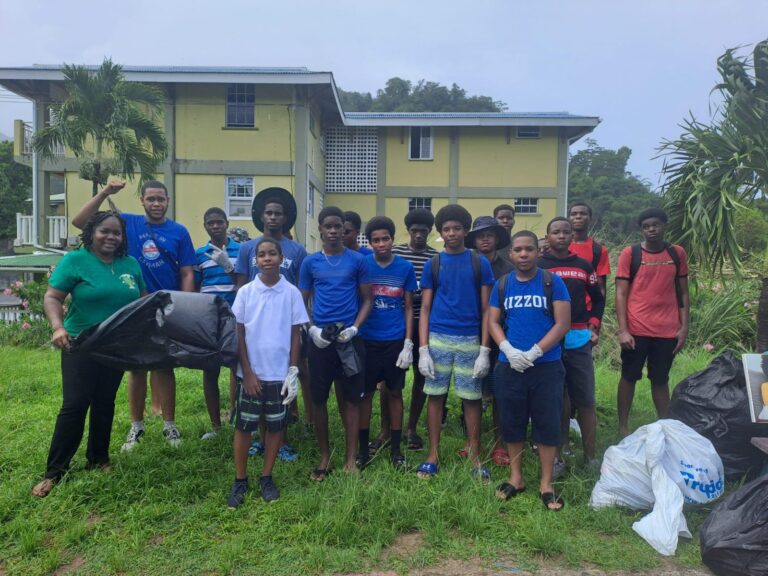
(57, 230)
(26, 145)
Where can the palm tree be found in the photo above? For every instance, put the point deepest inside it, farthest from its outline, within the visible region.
(714, 170)
(108, 123)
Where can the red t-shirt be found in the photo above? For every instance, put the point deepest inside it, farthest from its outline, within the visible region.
(652, 308)
(584, 250)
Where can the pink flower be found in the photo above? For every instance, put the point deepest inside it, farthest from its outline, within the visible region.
(18, 284)
(25, 304)
(708, 347)
(8, 292)
(26, 326)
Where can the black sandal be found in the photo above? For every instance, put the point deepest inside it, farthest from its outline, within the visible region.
(507, 491)
(414, 441)
(398, 462)
(548, 498)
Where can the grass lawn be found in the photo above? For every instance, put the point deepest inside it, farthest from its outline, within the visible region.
(162, 510)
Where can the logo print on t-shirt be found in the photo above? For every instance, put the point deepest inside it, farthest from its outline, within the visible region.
(149, 250)
(128, 281)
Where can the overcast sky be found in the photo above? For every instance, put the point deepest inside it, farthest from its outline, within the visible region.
(640, 66)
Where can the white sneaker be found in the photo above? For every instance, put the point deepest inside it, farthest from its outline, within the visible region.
(132, 440)
(172, 436)
(209, 435)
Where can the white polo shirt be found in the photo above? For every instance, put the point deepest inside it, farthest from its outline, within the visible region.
(268, 314)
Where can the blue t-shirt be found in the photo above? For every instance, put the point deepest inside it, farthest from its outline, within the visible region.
(388, 285)
(364, 250)
(293, 255)
(211, 277)
(455, 304)
(161, 250)
(333, 281)
(527, 319)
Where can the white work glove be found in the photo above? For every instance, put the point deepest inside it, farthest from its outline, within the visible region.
(405, 359)
(317, 337)
(534, 353)
(516, 358)
(346, 335)
(222, 259)
(483, 363)
(290, 386)
(426, 366)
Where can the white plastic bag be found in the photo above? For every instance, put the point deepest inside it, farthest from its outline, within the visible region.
(661, 466)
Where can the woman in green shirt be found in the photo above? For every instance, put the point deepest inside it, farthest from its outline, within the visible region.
(101, 278)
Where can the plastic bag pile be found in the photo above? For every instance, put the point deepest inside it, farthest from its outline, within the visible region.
(661, 466)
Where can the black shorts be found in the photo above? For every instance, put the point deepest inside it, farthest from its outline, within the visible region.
(658, 351)
(580, 376)
(249, 410)
(535, 395)
(325, 367)
(380, 359)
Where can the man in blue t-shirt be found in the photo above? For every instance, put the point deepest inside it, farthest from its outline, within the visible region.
(336, 280)
(387, 333)
(454, 340)
(166, 256)
(215, 274)
(529, 376)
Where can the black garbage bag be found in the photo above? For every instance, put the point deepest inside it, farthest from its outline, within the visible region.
(734, 537)
(714, 402)
(165, 330)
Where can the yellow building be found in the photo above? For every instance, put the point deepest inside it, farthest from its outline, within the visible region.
(235, 131)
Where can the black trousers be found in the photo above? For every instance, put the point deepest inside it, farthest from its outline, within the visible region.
(86, 385)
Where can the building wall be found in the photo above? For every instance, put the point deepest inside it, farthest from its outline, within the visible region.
(400, 171)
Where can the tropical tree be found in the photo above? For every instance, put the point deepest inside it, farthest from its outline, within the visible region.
(108, 123)
(718, 168)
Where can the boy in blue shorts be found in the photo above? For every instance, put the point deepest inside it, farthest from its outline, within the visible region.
(269, 312)
(387, 334)
(336, 279)
(454, 340)
(214, 274)
(528, 320)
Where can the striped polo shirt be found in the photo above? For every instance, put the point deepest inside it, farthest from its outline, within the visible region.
(210, 276)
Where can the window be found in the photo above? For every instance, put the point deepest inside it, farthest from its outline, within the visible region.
(527, 206)
(311, 201)
(241, 100)
(421, 143)
(528, 132)
(239, 196)
(414, 203)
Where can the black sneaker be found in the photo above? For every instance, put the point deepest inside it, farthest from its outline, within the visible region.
(269, 491)
(237, 494)
(362, 461)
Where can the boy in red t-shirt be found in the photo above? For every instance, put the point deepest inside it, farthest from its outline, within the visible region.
(584, 246)
(652, 309)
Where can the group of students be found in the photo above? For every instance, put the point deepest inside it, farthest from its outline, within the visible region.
(505, 316)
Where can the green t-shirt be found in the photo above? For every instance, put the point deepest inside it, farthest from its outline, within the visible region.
(98, 289)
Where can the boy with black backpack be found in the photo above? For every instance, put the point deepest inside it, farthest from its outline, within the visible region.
(585, 246)
(455, 285)
(652, 309)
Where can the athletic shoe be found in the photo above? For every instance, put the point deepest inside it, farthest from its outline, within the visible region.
(559, 469)
(172, 436)
(132, 440)
(269, 491)
(210, 435)
(256, 448)
(237, 494)
(287, 453)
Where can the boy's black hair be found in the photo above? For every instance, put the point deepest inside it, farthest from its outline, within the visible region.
(557, 219)
(453, 212)
(652, 213)
(526, 234)
(587, 206)
(215, 210)
(501, 207)
(277, 200)
(419, 216)
(379, 223)
(98, 217)
(153, 184)
(269, 240)
(353, 218)
(329, 211)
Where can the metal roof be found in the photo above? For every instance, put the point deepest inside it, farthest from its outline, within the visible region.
(469, 119)
(196, 69)
(37, 262)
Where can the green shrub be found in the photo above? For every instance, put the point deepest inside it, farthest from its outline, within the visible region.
(32, 329)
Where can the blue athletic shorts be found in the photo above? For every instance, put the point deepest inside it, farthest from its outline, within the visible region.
(454, 355)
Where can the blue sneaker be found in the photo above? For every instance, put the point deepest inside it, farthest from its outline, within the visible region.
(287, 453)
(256, 449)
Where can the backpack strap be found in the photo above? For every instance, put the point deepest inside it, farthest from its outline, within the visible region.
(636, 260)
(546, 278)
(502, 291)
(476, 270)
(676, 259)
(435, 270)
(597, 252)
